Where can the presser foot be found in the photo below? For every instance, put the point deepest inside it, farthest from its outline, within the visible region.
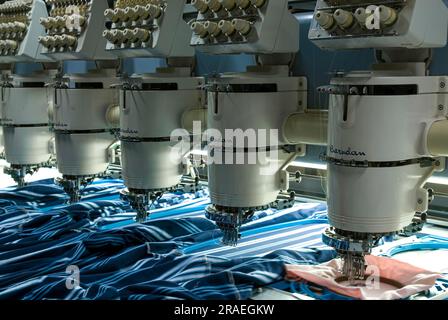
(229, 221)
(19, 172)
(142, 214)
(353, 266)
(352, 247)
(140, 201)
(73, 185)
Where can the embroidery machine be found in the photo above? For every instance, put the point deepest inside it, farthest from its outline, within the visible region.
(153, 106)
(83, 114)
(388, 127)
(27, 142)
(247, 172)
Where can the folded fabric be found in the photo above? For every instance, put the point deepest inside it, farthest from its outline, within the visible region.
(136, 274)
(176, 254)
(386, 279)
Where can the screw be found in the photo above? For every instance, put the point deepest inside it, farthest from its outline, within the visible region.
(442, 85)
(420, 201)
(441, 107)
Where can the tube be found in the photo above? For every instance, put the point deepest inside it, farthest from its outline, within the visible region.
(310, 127)
(438, 139)
(190, 116)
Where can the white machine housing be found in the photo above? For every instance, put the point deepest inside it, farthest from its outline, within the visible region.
(152, 105)
(134, 35)
(415, 24)
(20, 30)
(2, 142)
(261, 98)
(72, 30)
(378, 153)
(83, 133)
(263, 28)
(149, 115)
(246, 175)
(385, 125)
(27, 136)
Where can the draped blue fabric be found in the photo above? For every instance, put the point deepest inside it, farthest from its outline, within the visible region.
(176, 254)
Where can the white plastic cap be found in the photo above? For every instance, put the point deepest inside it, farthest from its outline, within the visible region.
(153, 11)
(388, 16)
(242, 26)
(324, 19)
(200, 5)
(228, 4)
(142, 34)
(343, 18)
(258, 3)
(214, 5)
(226, 27)
(361, 16)
(199, 29)
(243, 4)
(212, 28)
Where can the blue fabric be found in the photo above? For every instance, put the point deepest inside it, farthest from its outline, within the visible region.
(176, 254)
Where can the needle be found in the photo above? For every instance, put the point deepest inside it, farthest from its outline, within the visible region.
(354, 266)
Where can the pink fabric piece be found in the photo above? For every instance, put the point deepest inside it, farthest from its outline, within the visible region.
(412, 279)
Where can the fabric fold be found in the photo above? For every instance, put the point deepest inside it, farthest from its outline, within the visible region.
(386, 279)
